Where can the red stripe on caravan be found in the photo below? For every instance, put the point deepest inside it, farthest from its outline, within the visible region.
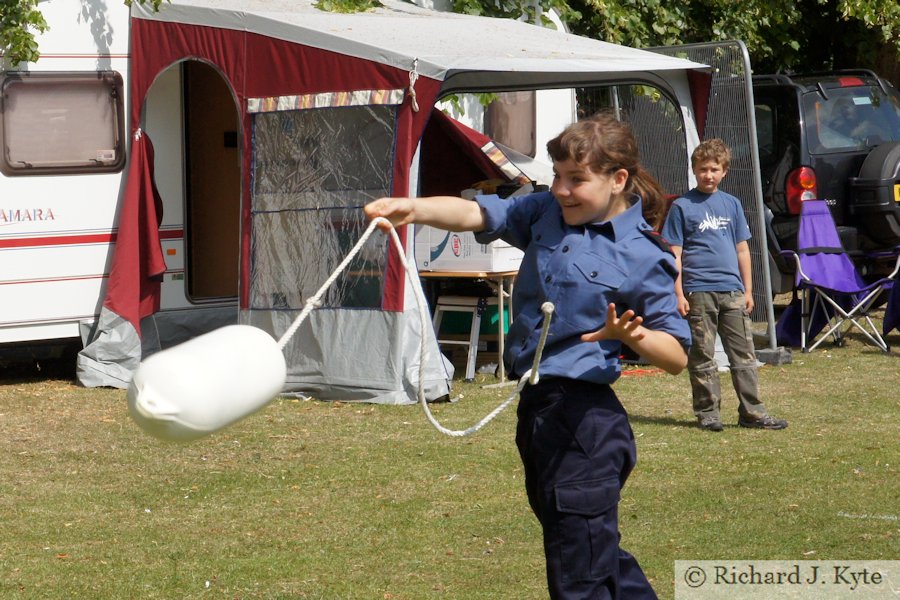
(61, 240)
(79, 278)
(74, 240)
(55, 279)
(46, 56)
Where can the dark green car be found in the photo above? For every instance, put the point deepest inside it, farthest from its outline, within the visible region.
(834, 136)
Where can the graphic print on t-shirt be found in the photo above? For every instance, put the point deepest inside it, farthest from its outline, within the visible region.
(713, 222)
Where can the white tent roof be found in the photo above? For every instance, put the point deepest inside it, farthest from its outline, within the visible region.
(466, 52)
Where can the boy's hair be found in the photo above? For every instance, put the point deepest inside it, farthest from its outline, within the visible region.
(603, 144)
(712, 150)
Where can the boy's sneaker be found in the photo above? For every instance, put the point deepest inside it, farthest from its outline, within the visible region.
(710, 423)
(765, 422)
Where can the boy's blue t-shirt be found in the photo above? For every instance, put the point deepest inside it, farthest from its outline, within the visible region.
(707, 227)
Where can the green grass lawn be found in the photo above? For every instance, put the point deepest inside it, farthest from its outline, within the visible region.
(307, 499)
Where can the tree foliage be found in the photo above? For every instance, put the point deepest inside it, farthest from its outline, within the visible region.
(779, 34)
(346, 6)
(20, 20)
(18, 23)
(797, 35)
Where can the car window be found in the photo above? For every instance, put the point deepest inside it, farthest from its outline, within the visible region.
(765, 132)
(852, 118)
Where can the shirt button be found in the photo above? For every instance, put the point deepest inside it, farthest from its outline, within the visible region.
(565, 248)
(537, 237)
(547, 279)
(593, 273)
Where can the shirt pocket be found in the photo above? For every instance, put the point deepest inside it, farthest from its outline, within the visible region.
(545, 245)
(597, 270)
(595, 283)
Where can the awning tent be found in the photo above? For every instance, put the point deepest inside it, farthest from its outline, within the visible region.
(333, 108)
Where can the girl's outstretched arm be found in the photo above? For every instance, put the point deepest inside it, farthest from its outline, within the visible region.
(444, 212)
(658, 347)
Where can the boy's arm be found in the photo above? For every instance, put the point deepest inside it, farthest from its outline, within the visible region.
(744, 262)
(444, 212)
(658, 347)
(683, 305)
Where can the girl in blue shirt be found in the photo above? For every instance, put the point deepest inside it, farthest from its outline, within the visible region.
(590, 251)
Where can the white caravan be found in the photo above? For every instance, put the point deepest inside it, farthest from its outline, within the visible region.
(65, 135)
(60, 184)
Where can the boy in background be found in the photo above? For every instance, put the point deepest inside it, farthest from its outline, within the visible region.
(708, 233)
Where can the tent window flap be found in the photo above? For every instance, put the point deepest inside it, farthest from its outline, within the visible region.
(312, 171)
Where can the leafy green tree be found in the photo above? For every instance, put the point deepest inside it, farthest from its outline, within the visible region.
(20, 20)
(780, 34)
(18, 23)
(795, 35)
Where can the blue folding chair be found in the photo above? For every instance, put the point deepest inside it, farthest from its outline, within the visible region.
(832, 292)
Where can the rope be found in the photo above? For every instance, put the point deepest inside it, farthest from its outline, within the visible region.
(531, 376)
(315, 300)
(413, 78)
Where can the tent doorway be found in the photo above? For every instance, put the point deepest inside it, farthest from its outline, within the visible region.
(212, 184)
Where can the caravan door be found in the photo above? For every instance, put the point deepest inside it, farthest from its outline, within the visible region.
(191, 116)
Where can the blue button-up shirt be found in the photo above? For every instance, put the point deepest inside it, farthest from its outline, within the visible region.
(580, 270)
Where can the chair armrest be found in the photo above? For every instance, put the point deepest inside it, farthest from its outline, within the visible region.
(796, 257)
(883, 254)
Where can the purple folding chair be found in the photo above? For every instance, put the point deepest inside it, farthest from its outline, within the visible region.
(831, 290)
(892, 311)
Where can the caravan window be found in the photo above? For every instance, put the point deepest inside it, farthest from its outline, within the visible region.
(511, 120)
(62, 123)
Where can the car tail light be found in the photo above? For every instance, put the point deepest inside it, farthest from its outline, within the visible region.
(801, 185)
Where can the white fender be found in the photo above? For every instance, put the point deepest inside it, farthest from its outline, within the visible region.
(198, 387)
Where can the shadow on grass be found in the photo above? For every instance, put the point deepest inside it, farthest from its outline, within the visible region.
(854, 337)
(34, 370)
(661, 420)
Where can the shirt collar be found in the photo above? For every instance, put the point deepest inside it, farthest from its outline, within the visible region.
(624, 222)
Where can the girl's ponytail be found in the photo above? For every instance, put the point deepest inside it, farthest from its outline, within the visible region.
(652, 195)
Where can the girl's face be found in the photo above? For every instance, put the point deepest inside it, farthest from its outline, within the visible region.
(585, 196)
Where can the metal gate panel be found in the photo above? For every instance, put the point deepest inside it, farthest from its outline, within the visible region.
(730, 117)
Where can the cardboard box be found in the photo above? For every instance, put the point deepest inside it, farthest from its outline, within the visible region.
(440, 250)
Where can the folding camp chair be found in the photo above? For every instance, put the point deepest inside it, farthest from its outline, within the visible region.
(892, 312)
(831, 289)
